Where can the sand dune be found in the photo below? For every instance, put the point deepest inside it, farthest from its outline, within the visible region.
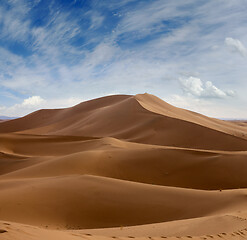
(84, 201)
(134, 162)
(133, 166)
(123, 117)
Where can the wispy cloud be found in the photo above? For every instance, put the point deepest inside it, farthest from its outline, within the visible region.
(236, 46)
(15, 26)
(96, 20)
(149, 18)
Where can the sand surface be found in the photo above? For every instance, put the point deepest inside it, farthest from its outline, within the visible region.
(122, 167)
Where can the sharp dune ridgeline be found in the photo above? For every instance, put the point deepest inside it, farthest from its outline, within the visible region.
(122, 167)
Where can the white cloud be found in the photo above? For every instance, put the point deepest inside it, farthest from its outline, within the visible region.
(212, 91)
(192, 86)
(28, 105)
(206, 107)
(195, 87)
(34, 103)
(236, 46)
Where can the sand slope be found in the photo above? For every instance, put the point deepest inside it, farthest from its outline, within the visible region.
(133, 166)
(213, 170)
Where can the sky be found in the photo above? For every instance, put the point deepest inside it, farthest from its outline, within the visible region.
(190, 53)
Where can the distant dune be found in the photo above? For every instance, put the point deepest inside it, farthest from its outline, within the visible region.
(122, 167)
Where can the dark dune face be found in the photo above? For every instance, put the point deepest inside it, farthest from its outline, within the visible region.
(122, 161)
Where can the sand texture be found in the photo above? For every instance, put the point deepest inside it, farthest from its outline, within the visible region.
(122, 167)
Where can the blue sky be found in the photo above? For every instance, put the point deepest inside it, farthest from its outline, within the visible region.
(56, 53)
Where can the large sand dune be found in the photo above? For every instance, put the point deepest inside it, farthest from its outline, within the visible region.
(122, 167)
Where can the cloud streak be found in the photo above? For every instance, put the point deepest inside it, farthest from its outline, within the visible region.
(236, 46)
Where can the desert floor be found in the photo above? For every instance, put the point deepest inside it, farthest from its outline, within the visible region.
(122, 167)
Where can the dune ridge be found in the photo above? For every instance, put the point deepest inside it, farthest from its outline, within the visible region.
(119, 161)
